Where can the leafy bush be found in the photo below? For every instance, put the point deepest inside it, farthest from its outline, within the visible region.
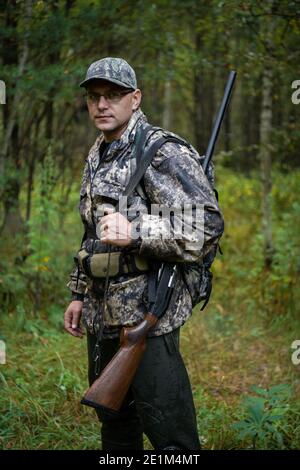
(265, 421)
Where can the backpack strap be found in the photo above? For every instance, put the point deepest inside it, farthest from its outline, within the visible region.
(140, 187)
(143, 161)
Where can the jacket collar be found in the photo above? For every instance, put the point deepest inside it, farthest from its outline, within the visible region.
(128, 135)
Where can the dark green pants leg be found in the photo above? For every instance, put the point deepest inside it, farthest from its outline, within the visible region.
(159, 402)
(124, 430)
(163, 395)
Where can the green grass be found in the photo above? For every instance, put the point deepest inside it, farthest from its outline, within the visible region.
(45, 377)
(41, 387)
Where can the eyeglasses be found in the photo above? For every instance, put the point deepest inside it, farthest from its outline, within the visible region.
(110, 96)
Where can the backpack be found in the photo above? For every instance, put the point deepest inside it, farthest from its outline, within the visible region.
(197, 276)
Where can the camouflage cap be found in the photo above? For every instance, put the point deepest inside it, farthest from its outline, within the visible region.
(114, 70)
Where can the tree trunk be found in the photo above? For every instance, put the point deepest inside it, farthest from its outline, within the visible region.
(167, 104)
(199, 101)
(266, 164)
(10, 163)
(13, 223)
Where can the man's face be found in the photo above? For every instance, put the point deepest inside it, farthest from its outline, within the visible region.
(111, 112)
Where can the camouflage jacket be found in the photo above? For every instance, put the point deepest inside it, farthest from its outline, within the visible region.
(173, 178)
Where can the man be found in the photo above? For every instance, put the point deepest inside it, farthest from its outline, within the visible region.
(159, 402)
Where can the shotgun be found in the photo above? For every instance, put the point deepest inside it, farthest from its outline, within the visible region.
(109, 390)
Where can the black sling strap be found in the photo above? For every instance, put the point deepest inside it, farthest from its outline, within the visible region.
(143, 160)
(142, 164)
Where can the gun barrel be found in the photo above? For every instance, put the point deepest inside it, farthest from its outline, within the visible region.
(219, 119)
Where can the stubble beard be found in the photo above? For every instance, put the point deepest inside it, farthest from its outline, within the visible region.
(112, 132)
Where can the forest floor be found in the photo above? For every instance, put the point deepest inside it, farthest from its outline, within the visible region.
(226, 353)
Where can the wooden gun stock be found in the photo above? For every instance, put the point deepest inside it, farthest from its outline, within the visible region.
(110, 389)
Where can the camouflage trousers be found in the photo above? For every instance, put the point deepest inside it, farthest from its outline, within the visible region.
(159, 402)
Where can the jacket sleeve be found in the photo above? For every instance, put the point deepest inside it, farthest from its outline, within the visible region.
(77, 283)
(175, 180)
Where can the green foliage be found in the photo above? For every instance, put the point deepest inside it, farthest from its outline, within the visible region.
(214, 420)
(35, 279)
(265, 422)
(274, 291)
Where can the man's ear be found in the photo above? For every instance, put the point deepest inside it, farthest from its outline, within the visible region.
(137, 97)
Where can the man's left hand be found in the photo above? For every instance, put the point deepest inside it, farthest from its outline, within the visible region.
(115, 229)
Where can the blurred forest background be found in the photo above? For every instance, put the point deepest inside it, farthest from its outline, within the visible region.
(238, 351)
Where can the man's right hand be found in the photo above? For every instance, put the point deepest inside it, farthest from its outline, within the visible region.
(72, 319)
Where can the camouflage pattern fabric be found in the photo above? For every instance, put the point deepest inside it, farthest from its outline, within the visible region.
(114, 70)
(173, 179)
